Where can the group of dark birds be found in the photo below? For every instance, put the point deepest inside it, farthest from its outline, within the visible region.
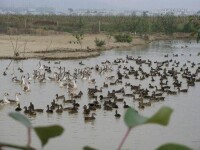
(122, 80)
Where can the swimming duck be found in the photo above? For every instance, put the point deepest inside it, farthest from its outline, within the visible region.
(26, 111)
(60, 97)
(18, 108)
(4, 73)
(81, 63)
(16, 99)
(31, 112)
(125, 105)
(90, 118)
(5, 99)
(26, 87)
(86, 110)
(68, 101)
(41, 67)
(117, 115)
(60, 109)
(182, 90)
(49, 110)
(31, 106)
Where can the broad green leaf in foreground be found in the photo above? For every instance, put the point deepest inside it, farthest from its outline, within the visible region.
(21, 118)
(132, 118)
(173, 146)
(161, 117)
(88, 148)
(45, 133)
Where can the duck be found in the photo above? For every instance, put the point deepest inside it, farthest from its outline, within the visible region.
(152, 79)
(26, 111)
(105, 85)
(72, 86)
(50, 111)
(151, 86)
(4, 73)
(86, 110)
(29, 78)
(107, 107)
(60, 97)
(26, 87)
(117, 115)
(60, 109)
(16, 99)
(5, 99)
(14, 79)
(81, 63)
(23, 80)
(41, 67)
(33, 108)
(68, 101)
(182, 90)
(91, 81)
(125, 105)
(18, 108)
(31, 112)
(20, 70)
(90, 118)
(63, 83)
(73, 111)
(75, 104)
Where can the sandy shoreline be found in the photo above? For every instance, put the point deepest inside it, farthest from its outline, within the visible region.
(64, 46)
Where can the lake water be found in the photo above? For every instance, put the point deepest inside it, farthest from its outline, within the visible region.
(106, 131)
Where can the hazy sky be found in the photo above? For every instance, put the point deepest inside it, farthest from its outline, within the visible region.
(107, 4)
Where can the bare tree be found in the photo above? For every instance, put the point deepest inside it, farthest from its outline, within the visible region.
(15, 45)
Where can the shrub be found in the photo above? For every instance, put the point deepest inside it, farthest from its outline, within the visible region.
(99, 43)
(123, 38)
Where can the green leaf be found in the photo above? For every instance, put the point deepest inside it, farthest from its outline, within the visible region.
(88, 148)
(21, 118)
(161, 117)
(132, 118)
(45, 133)
(172, 146)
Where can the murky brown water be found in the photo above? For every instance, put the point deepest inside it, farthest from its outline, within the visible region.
(105, 132)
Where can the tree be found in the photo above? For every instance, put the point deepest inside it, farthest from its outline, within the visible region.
(79, 37)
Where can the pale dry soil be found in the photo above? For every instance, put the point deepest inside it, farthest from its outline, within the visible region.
(64, 46)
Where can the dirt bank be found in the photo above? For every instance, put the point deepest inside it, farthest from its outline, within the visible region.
(64, 46)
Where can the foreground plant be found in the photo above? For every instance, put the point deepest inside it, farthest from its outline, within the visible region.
(44, 133)
(162, 117)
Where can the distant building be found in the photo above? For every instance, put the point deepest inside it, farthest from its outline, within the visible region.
(97, 12)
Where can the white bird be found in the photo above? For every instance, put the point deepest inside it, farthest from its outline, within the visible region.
(62, 83)
(23, 80)
(16, 99)
(26, 87)
(41, 66)
(29, 78)
(5, 99)
(91, 81)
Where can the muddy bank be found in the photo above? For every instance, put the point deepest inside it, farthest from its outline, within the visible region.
(64, 46)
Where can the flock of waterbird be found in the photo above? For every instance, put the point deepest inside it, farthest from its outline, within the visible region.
(140, 81)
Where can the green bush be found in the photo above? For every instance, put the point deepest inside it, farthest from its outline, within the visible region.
(123, 38)
(99, 43)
